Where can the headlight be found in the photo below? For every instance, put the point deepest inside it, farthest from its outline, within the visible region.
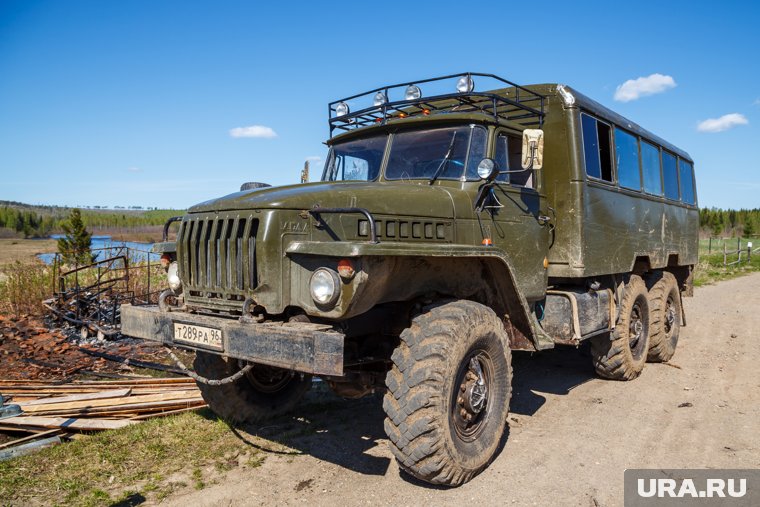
(324, 286)
(172, 275)
(486, 169)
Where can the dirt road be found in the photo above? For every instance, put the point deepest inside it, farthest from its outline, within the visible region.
(571, 435)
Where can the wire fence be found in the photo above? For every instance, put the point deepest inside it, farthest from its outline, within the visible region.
(734, 250)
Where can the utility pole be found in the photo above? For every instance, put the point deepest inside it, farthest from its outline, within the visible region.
(305, 172)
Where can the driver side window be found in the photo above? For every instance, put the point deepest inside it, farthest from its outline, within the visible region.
(508, 158)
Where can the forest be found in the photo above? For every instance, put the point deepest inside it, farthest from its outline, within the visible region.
(27, 221)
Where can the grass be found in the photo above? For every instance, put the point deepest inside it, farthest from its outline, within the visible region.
(710, 268)
(153, 459)
(12, 249)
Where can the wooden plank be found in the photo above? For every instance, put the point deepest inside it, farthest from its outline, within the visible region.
(111, 393)
(170, 412)
(30, 437)
(140, 407)
(112, 402)
(65, 423)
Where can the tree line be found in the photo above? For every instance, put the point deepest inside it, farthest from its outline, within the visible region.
(730, 223)
(29, 222)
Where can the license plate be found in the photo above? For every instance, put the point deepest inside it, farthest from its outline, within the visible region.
(198, 335)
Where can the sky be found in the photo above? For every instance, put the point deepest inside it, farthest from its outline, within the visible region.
(169, 103)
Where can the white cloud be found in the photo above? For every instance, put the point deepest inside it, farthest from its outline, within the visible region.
(725, 122)
(134, 169)
(253, 131)
(643, 86)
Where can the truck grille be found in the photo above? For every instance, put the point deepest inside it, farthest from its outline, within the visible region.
(217, 256)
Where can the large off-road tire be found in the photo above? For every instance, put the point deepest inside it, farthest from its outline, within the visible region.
(621, 354)
(665, 312)
(261, 393)
(448, 392)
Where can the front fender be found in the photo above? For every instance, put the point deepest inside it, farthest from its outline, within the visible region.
(403, 271)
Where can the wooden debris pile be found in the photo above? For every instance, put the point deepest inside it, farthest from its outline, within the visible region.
(29, 351)
(61, 409)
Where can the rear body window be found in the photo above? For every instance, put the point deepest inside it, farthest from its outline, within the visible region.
(670, 175)
(596, 148)
(650, 167)
(627, 152)
(686, 174)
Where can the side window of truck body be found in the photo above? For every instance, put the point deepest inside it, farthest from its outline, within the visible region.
(686, 176)
(596, 148)
(670, 175)
(650, 167)
(627, 155)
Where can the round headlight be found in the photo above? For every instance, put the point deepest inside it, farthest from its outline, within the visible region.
(486, 168)
(465, 84)
(412, 92)
(172, 275)
(341, 109)
(380, 99)
(324, 286)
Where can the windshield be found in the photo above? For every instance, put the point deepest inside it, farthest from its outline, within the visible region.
(440, 153)
(357, 160)
(422, 154)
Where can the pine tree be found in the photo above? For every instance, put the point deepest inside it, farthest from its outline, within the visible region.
(749, 228)
(75, 245)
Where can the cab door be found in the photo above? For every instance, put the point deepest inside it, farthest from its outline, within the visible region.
(517, 222)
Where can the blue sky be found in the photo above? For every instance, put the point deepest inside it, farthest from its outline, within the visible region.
(133, 103)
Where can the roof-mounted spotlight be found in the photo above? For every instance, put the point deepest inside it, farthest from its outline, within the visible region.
(465, 84)
(412, 92)
(380, 98)
(341, 109)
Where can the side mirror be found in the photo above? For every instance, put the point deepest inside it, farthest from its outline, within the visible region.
(487, 169)
(533, 149)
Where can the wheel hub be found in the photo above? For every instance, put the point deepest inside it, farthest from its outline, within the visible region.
(471, 399)
(476, 391)
(635, 328)
(670, 316)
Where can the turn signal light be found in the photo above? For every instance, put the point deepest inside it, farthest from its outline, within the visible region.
(487, 242)
(346, 268)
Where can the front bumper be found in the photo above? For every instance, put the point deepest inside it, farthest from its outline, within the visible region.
(299, 346)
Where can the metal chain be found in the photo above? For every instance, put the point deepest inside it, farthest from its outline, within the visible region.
(204, 380)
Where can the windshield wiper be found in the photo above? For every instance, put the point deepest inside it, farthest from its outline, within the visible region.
(444, 161)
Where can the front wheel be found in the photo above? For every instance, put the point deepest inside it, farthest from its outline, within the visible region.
(263, 392)
(448, 392)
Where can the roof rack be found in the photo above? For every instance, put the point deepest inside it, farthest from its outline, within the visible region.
(512, 102)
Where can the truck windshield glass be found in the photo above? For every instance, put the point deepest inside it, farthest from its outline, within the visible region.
(357, 160)
(419, 154)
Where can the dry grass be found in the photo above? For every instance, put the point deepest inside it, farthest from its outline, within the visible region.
(24, 250)
(23, 287)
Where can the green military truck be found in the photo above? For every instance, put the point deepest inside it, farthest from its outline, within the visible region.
(447, 230)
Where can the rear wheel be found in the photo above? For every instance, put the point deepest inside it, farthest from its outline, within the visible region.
(448, 392)
(263, 392)
(621, 354)
(665, 301)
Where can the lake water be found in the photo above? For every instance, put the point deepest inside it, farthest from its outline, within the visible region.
(104, 247)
